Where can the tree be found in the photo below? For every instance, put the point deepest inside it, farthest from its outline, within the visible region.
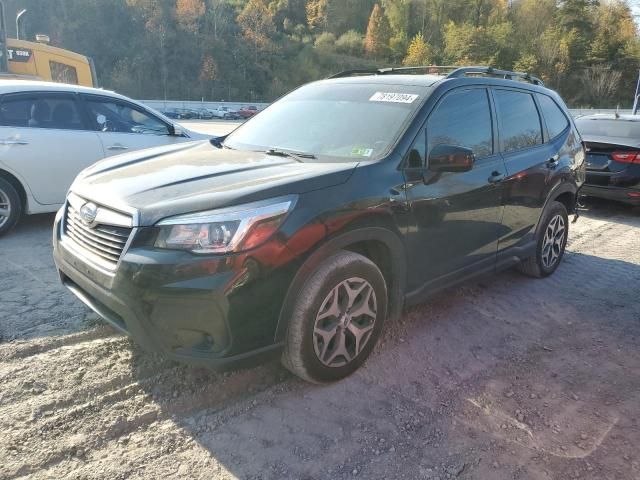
(326, 42)
(376, 42)
(207, 75)
(256, 22)
(599, 84)
(188, 14)
(317, 14)
(418, 53)
(350, 43)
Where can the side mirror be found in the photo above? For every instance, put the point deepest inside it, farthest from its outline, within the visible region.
(451, 158)
(177, 131)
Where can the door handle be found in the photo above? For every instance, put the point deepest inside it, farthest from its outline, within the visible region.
(553, 162)
(496, 177)
(13, 142)
(117, 146)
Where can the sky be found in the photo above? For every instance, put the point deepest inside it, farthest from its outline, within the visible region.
(635, 6)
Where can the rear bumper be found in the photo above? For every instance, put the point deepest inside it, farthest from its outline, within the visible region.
(630, 196)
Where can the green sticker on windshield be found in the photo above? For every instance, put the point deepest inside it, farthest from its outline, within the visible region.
(361, 152)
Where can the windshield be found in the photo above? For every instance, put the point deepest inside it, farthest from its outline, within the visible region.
(601, 127)
(332, 121)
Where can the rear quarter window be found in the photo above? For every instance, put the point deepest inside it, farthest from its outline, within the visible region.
(519, 120)
(554, 117)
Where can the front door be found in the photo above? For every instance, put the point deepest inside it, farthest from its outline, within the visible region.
(123, 126)
(457, 215)
(45, 141)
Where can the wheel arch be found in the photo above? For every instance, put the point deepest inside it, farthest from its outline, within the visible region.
(565, 193)
(17, 184)
(378, 244)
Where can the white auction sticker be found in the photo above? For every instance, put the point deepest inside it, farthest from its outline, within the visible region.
(393, 97)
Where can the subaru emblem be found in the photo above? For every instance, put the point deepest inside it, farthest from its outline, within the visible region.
(88, 213)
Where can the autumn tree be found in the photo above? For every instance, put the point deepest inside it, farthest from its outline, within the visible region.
(317, 14)
(256, 22)
(376, 42)
(189, 13)
(207, 75)
(418, 53)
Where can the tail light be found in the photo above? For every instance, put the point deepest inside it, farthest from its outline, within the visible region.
(626, 156)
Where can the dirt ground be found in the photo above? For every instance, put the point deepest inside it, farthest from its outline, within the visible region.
(503, 378)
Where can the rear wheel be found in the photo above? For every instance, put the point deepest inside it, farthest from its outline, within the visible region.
(337, 319)
(10, 206)
(551, 243)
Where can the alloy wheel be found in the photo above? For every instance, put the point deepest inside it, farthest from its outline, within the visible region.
(345, 322)
(553, 241)
(5, 208)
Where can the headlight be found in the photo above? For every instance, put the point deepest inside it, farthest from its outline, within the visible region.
(226, 230)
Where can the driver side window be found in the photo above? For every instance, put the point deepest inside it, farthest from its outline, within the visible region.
(113, 116)
(463, 119)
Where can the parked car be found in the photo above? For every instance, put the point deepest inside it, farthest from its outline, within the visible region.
(301, 232)
(226, 113)
(50, 131)
(248, 112)
(613, 156)
(171, 114)
(205, 114)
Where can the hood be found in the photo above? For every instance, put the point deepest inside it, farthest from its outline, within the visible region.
(196, 176)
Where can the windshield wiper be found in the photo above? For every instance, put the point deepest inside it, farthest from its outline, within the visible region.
(297, 156)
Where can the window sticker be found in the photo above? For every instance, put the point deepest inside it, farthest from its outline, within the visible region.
(393, 97)
(361, 152)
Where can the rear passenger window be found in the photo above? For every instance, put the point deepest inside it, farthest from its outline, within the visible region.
(553, 116)
(519, 121)
(463, 119)
(41, 111)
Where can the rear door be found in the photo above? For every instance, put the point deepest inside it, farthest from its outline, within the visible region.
(457, 215)
(123, 126)
(529, 162)
(46, 142)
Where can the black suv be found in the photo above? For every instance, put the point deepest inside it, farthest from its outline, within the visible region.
(304, 230)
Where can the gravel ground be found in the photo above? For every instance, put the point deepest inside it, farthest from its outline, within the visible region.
(503, 378)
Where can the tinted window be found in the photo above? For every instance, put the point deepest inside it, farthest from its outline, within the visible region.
(41, 111)
(609, 127)
(114, 116)
(519, 120)
(553, 116)
(333, 121)
(462, 119)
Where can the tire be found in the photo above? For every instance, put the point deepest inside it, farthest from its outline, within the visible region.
(9, 201)
(319, 358)
(548, 256)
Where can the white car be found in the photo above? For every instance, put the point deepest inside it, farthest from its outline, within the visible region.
(226, 113)
(49, 132)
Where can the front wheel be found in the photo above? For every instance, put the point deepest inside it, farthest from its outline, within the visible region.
(550, 244)
(10, 206)
(337, 319)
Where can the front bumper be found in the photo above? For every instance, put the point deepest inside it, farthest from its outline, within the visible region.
(627, 195)
(215, 311)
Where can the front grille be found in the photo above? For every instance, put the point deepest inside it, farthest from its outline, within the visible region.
(101, 243)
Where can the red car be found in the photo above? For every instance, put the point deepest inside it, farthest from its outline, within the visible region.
(246, 112)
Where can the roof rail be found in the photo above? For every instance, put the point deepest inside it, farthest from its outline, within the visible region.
(382, 71)
(456, 72)
(493, 72)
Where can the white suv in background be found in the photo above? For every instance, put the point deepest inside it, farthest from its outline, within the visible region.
(49, 132)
